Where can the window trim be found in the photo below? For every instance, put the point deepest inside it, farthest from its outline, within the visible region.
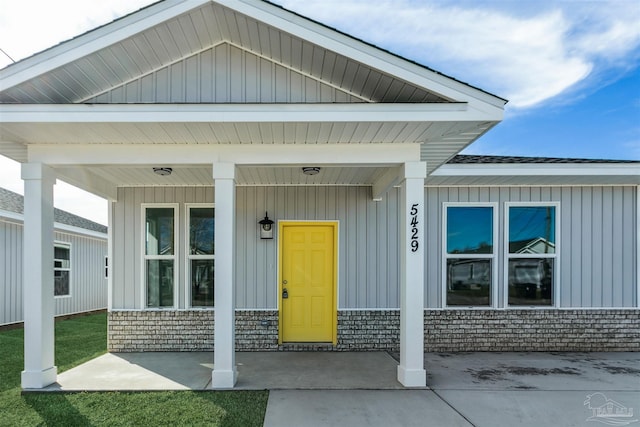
(188, 257)
(493, 290)
(66, 245)
(144, 257)
(555, 293)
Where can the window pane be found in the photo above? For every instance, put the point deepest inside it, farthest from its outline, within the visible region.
(468, 281)
(60, 283)
(202, 283)
(470, 230)
(60, 253)
(159, 283)
(532, 230)
(530, 281)
(201, 226)
(159, 231)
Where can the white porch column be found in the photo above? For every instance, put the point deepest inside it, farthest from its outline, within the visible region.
(224, 373)
(411, 371)
(39, 309)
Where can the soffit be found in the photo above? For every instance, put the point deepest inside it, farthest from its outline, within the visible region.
(201, 175)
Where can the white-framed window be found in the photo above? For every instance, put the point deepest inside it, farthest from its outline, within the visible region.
(61, 269)
(469, 247)
(159, 270)
(531, 253)
(200, 262)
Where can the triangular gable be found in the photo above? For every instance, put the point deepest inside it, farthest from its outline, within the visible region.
(227, 51)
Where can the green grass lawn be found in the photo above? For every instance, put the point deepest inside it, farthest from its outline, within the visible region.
(83, 338)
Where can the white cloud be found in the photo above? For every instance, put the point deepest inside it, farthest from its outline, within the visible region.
(30, 26)
(526, 54)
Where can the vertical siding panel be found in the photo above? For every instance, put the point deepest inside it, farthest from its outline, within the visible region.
(565, 275)
(250, 249)
(177, 80)
(162, 86)
(147, 89)
(222, 88)
(371, 283)
(266, 86)
(576, 245)
(629, 249)
(236, 74)
(618, 231)
(240, 249)
(382, 256)
(252, 90)
(433, 252)
(192, 79)
(608, 255)
(393, 275)
(119, 247)
(586, 248)
(597, 248)
(207, 74)
(262, 272)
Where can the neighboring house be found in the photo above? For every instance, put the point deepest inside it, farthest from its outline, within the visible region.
(195, 117)
(78, 270)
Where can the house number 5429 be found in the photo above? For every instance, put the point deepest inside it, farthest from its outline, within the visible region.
(414, 227)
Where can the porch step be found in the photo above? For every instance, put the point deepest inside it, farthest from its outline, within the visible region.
(307, 346)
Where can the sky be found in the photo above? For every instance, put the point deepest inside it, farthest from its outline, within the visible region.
(569, 68)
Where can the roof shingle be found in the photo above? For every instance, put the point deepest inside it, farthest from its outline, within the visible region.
(14, 202)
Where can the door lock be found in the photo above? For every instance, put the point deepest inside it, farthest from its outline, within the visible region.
(285, 293)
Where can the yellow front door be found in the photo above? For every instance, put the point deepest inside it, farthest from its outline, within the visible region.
(308, 281)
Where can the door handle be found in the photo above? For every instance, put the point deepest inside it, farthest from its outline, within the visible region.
(285, 293)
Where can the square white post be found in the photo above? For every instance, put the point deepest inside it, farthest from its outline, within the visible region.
(224, 373)
(411, 371)
(39, 310)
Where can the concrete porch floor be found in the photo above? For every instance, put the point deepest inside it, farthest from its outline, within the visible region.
(360, 389)
(256, 371)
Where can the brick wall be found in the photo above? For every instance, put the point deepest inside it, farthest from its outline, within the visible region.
(445, 331)
(161, 330)
(532, 330)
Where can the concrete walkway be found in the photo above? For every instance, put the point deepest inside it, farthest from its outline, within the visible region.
(359, 389)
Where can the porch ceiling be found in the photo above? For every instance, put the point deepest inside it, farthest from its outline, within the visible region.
(201, 175)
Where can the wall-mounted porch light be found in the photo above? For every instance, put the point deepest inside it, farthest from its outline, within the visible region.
(266, 227)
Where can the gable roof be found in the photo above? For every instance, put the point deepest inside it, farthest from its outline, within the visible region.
(241, 61)
(14, 202)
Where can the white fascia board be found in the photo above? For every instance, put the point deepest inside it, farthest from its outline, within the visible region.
(12, 216)
(194, 154)
(238, 113)
(58, 226)
(362, 52)
(64, 228)
(94, 41)
(557, 169)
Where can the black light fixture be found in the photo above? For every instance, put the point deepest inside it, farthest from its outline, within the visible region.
(163, 171)
(311, 170)
(266, 227)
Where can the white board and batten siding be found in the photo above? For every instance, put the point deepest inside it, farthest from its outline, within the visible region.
(368, 241)
(597, 229)
(88, 285)
(239, 77)
(598, 257)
